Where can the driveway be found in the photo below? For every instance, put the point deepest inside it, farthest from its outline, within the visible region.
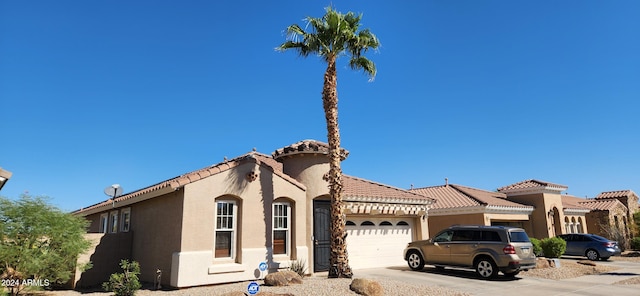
(521, 285)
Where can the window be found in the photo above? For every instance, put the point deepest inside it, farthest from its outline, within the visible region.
(225, 229)
(113, 222)
(402, 223)
(350, 223)
(281, 226)
(367, 223)
(104, 223)
(126, 220)
(385, 223)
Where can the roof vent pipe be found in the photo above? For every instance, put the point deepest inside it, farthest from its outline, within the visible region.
(446, 181)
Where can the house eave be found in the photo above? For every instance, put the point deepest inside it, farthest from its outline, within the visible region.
(482, 209)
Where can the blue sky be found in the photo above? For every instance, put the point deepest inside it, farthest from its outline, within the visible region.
(485, 93)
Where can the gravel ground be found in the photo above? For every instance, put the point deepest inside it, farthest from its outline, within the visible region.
(569, 268)
(319, 286)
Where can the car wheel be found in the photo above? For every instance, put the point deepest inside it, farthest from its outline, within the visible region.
(511, 274)
(592, 255)
(415, 261)
(486, 268)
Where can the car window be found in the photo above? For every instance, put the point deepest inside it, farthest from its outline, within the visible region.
(443, 237)
(490, 236)
(600, 238)
(462, 235)
(518, 237)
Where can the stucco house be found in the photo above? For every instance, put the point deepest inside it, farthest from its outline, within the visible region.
(552, 215)
(217, 224)
(612, 209)
(457, 204)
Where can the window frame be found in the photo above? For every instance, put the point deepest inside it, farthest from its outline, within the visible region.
(287, 228)
(104, 223)
(123, 212)
(233, 229)
(113, 222)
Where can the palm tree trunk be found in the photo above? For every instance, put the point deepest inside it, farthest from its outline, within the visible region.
(338, 257)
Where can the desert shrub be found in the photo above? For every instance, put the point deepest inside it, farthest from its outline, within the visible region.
(299, 267)
(537, 249)
(125, 283)
(553, 247)
(635, 243)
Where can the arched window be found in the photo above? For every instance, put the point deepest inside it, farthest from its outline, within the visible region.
(385, 223)
(402, 223)
(281, 228)
(367, 223)
(225, 231)
(350, 223)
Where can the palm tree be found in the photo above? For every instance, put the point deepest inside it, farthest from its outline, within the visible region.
(334, 35)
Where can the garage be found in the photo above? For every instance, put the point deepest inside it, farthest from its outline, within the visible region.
(377, 242)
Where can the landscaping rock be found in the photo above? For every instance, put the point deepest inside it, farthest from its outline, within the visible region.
(542, 263)
(366, 287)
(282, 278)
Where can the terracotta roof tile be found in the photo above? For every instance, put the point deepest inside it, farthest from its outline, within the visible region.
(602, 204)
(573, 202)
(615, 194)
(357, 187)
(531, 183)
(457, 196)
(307, 146)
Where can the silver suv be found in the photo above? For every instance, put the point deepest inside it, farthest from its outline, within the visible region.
(487, 249)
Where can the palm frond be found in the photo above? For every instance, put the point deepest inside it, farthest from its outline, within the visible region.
(364, 64)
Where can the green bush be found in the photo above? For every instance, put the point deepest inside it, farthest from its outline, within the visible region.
(553, 247)
(635, 243)
(126, 283)
(537, 249)
(299, 267)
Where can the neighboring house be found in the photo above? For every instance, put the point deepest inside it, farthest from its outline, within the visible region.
(553, 213)
(217, 224)
(456, 204)
(4, 177)
(612, 209)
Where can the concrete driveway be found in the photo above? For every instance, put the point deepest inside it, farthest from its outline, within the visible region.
(467, 281)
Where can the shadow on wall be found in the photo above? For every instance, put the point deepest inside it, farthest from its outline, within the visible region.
(105, 258)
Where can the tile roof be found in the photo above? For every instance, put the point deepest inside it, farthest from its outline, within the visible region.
(615, 194)
(457, 196)
(532, 183)
(571, 202)
(360, 188)
(602, 204)
(196, 175)
(305, 147)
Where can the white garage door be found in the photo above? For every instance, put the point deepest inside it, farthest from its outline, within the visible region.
(377, 242)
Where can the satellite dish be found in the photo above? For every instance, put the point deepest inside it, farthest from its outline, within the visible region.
(113, 191)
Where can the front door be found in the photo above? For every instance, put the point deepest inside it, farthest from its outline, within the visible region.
(321, 235)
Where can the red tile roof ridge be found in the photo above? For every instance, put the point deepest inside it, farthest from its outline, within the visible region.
(306, 147)
(186, 178)
(602, 204)
(531, 183)
(404, 191)
(615, 194)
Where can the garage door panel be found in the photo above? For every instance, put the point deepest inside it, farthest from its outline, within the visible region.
(377, 246)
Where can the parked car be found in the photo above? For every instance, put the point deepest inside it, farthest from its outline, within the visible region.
(594, 247)
(487, 249)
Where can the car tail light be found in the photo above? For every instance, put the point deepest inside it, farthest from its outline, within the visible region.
(509, 249)
(609, 244)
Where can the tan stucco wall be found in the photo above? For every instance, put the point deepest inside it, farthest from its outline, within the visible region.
(254, 199)
(309, 169)
(159, 221)
(542, 226)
